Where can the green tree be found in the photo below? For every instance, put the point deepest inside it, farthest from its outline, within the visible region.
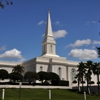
(96, 71)
(88, 73)
(3, 74)
(2, 3)
(80, 74)
(54, 78)
(18, 69)
(42, 76)
(31, 76)
(15, 76)
(79, 79)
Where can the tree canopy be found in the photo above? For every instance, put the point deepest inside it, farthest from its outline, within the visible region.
(5, 2)
(15, 76)
(18, 69)
(48, 76)
(31, 76)
(3, 74)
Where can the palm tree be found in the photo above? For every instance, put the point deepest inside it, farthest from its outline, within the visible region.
(96, 71)
(79, 79)
(81, 72)
(88, 66)
(19, 69)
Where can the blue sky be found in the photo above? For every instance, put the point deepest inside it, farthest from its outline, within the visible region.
(75, 25)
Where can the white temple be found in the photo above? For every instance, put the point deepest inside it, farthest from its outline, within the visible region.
(49, 61)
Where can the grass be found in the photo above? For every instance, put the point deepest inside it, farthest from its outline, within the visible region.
(42, 94)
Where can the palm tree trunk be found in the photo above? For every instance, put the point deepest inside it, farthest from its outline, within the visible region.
(82, 85)
(98, 82)
(78, 85)
(87, 87)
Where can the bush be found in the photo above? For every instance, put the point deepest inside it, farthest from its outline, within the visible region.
(82, 82)
(46, 83)
(3, 74)
(98, 82)
(63, 83)
(55, 82)
(91, 82)
(74, 81)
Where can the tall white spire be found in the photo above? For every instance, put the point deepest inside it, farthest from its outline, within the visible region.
(48, 25)
(49, 44)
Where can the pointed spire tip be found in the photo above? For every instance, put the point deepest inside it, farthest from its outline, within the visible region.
(48, 10)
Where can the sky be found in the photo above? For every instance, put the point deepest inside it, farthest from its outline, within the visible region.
(75, 25)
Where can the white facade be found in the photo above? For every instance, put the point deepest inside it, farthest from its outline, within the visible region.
(49, 61)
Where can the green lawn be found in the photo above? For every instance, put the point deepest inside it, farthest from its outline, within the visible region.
(42, 94)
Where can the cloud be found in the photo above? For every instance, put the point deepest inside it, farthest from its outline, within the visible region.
(57, 22)
(41, 22)
(87, 22)
(94, 22)
(96, 42)
(91, 22)
(80, 43)
(14, 53)
(85, 54)
(3, 48)
(60, 33)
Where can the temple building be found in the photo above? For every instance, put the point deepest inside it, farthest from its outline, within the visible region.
(48, 61)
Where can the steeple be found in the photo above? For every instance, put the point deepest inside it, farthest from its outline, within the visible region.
(48, 25)
(49, 44)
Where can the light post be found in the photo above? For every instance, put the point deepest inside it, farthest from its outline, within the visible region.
(20, 83)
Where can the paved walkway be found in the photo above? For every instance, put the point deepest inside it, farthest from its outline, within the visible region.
(30, 86)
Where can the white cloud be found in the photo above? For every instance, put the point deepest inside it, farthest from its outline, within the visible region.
(85, 54)
(2, 48)
(80, 43)
(60, 33)
(96, 42)
(94, 22)
(91, 22)
(14, 53)
(57, 22)
(41, 22)
(87, 22)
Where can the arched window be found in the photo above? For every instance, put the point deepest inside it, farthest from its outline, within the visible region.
(41, 68)
(59, 72)
(73, 74)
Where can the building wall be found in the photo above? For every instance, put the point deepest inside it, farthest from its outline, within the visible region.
(31, 67)
(71, 77)
(55, 69)
(9, 69)
(44, 67)
(94, 77)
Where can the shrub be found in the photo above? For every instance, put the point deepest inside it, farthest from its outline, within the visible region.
(63, 83)
(3, 74)
(55, 82)
(91, 82)
(74, 81)
(46, 83)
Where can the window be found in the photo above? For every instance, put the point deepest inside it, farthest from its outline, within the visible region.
(59, 72)
(41, 68)
(73, 74)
